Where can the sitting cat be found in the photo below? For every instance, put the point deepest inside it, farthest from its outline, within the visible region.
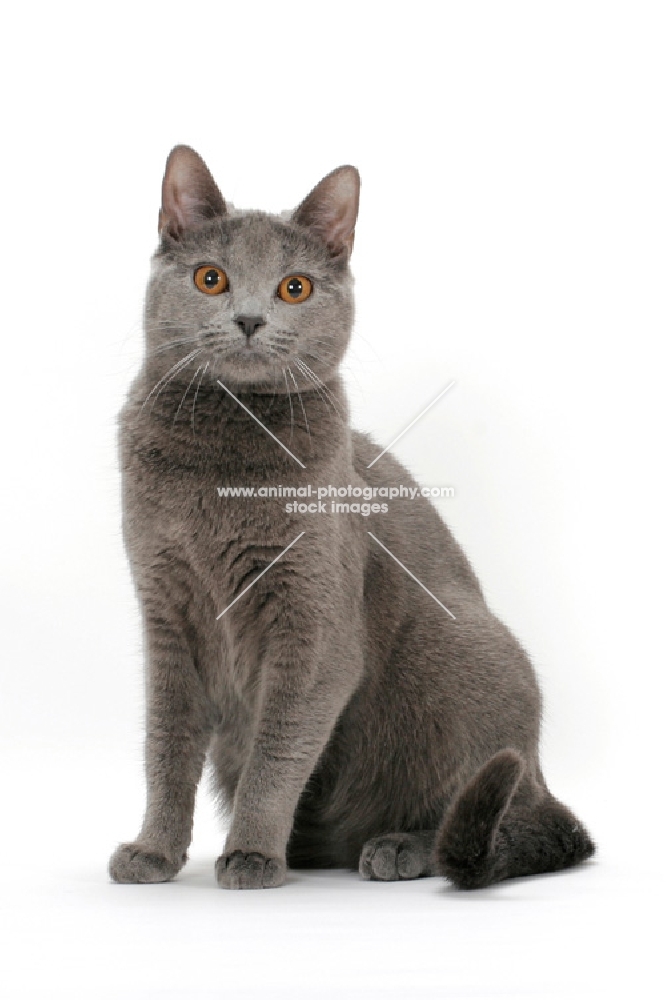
(350, 719)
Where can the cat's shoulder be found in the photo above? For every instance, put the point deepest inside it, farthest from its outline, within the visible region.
(387, 471)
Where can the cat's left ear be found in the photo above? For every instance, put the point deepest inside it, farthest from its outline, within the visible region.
(190, 196)
(331, 209)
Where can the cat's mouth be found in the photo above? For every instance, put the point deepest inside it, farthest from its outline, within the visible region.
(249, 353)
(249, 362)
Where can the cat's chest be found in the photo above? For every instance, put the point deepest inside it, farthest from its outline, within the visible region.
(221, 515)
(203, 503)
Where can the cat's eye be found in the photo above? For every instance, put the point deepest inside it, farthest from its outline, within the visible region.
(295, 288)
(210, 280)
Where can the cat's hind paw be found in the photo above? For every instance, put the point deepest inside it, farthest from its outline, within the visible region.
(239, 870)
(136, 863)
(394, 857)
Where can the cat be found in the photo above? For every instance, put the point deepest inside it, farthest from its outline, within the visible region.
(350, 719)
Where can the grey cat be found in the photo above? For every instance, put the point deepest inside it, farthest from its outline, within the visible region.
(349, 720)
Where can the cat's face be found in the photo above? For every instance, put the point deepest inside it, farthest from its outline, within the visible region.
(255, 295)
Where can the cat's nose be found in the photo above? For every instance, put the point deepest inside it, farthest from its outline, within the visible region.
(249, 324)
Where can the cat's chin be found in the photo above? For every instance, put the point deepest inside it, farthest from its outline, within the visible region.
(249, 372)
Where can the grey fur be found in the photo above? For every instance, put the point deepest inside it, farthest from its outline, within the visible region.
(348, 720)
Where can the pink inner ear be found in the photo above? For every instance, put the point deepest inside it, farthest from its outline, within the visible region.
(341, 224)
(331, 209)
(190, 196)
(187, 209)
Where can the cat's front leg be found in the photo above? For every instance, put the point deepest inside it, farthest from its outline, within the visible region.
(303, 692)
(177, 736)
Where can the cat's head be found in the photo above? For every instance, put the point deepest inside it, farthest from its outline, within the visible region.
(253, 293)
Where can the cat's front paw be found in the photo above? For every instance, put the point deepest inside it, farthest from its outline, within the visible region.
(136, 863)
(239, 870)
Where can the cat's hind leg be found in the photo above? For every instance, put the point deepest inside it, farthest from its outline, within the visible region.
(397, 856)
(503, 825)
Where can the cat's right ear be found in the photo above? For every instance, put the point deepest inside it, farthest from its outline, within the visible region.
(190, 196)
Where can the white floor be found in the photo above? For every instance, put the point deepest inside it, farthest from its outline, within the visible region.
(68, 932)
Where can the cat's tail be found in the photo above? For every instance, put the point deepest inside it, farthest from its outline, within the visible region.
(503, 824)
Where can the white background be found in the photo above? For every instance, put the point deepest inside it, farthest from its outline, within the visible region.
(511, 237)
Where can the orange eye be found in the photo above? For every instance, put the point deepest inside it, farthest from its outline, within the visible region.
(210, 280)
(295, 288)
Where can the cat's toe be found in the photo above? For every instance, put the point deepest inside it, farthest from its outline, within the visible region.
(135, 863)
(391, 858)
(239, 870)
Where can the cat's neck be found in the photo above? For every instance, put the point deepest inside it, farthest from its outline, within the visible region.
(295, 426)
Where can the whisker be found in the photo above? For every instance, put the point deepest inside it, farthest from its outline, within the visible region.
(185, 394)
(291, 408)
(171, 378)
(168, 327)
(315, 387)
(194, 403)
(305, 416)
(329, 392)
(159, 324)
(172, 371)
(316, 377)
(275, 384)
(317, 381)
(174, 343)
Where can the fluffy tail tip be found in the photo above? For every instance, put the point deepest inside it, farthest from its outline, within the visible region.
(466, 838)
